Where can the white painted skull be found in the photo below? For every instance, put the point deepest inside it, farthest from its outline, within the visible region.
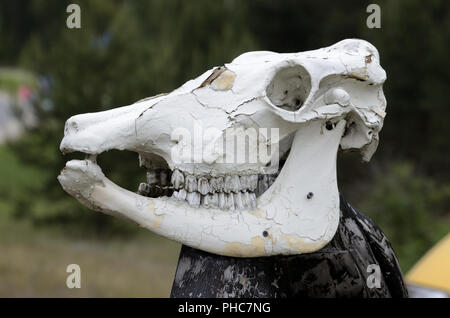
(199, 145)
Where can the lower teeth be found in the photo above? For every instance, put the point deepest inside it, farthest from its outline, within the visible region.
(154, 191)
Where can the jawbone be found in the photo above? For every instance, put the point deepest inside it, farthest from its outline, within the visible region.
(298, 214)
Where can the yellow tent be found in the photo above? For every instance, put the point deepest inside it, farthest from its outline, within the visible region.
(433, 269)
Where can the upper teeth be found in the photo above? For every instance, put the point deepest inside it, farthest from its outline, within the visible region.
(216, 184)
(232, 183)
(204, 184)
(190, 183)
(177, 179)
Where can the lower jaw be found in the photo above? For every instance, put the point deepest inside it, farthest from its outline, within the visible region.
(252, 233)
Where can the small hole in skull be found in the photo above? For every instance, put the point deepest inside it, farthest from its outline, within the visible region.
(265, 234)
(329, 125)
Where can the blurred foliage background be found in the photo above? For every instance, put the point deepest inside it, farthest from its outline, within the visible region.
(128, 50)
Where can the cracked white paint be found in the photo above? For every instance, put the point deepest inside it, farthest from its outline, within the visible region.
(319, 100)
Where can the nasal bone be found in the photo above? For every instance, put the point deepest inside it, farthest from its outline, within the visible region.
(101, 131)
(98, 132)
(81, 122)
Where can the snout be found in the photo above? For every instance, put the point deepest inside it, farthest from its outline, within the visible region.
(94, 133)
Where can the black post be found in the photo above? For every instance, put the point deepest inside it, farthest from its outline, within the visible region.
(341, 269)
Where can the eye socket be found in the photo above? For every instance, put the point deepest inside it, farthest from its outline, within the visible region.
(289, 88)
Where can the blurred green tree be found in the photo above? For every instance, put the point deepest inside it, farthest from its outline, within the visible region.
(414, 42)
(408, 207)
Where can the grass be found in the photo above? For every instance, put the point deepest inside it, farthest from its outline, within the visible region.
(33, 263)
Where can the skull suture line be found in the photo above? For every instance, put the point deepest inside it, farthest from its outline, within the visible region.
(316, 101)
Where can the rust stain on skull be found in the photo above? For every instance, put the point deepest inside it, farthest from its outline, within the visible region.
(359, 73)
(151, 205)
(156, 223)
(215, 74)
(301, 244)
(256, 248)
(357, 76)
(221, 79)
(157, 219)
(258, 213)
(379, 111)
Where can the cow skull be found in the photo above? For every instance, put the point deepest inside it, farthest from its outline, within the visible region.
(302, 106)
